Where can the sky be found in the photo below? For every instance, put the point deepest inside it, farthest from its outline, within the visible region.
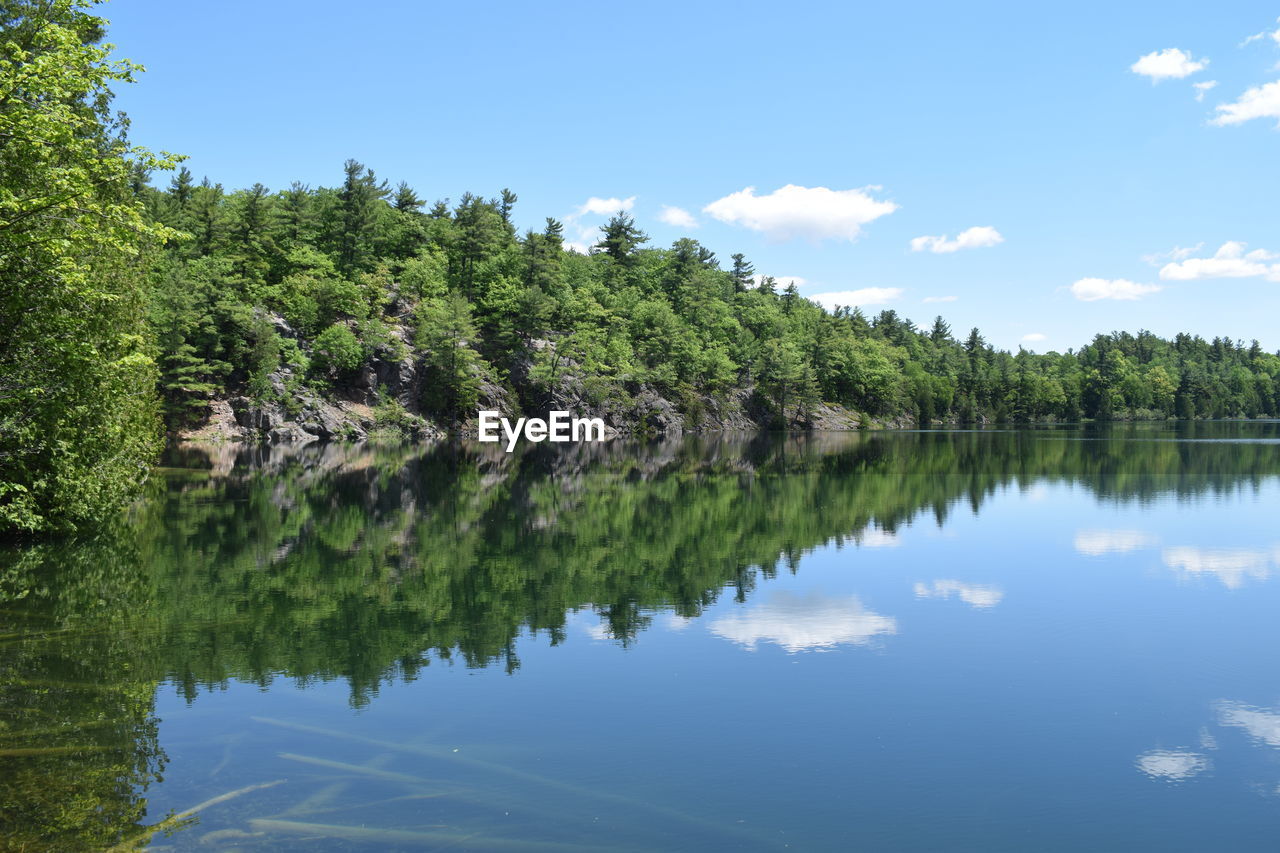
(1042, 172)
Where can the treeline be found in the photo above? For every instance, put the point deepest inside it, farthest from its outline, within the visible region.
(364, 271)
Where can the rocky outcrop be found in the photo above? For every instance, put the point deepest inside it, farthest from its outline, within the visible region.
(827, 417)
(312, 418)
(293, 412)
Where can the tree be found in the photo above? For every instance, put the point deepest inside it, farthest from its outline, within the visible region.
(790, 296)
(506, 202)
(542, 254)
(297, 215)
(180, 187)
(448, 334)
(78, 407)
(941, 331)
(252, 233)
(620, 239)
(407, 230)
(359, 203)
(480, 233)
(742, 273)
(406, 200)
(787, 379)
(337, 351)
(204, 217)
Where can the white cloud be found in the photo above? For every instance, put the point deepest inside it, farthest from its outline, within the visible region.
(605, 206)
(677, 216)
(1095, 543)
(1172, 765)
(1257, 102)
(1230, 261)
(588, 233)
(1034, 337)
(929, 299)
(1177, 253)
(1261, 725)
(1232, 566)
(815, 213)
(977, 237)
(799, 623)
(974, 594)
(1093, 289)
(1168, 63)
(1201, 88)
(1274, 35)
(863, 296)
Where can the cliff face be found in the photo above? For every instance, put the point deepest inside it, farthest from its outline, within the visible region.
(384, 396)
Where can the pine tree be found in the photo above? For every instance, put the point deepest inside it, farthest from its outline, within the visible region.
(406, 200)
(358, 206)
(180, 187)
(480, 233)
(506, 202)
(941, 331)
(448, 333)
(620, 239)
(742, 273)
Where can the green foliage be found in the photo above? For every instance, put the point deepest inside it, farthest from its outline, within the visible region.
(370, 564)
(787, 380)
(78, 406)
(447, 333)
(337, 351)
(392, 422)
(619, 240)
(627, 317)
(425, 275)
(260, 288)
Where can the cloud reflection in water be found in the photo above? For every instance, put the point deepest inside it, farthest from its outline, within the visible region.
(806, 622)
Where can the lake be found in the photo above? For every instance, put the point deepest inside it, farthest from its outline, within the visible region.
(963, 640)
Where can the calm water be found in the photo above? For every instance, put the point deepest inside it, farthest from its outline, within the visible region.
(986, 641)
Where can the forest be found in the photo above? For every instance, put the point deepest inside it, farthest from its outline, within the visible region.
(363, 271)
(138, 299)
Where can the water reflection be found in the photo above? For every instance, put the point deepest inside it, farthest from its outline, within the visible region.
(1261, 725)
(1233, 567)
(978, 595)
(1096, 543)
(369, 565)
(1172, 765)
(804, 623)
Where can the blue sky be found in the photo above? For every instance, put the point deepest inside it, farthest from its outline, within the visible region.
(1043, 127)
